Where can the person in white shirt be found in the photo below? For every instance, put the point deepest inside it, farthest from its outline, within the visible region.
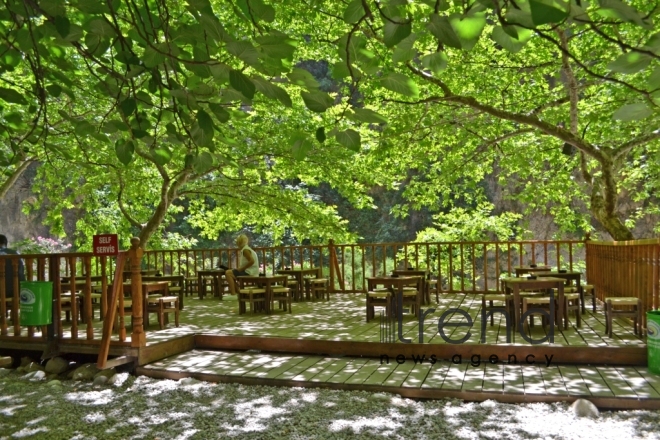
(248, 264)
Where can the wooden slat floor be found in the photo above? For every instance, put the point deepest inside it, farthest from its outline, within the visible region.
(343, 319)
(611, 386)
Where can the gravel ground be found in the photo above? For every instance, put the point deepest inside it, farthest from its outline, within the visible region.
(144, 408)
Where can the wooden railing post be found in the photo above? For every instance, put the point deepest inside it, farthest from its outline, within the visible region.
(138, 338)
(331, 250)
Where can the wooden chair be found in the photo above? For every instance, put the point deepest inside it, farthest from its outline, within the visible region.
(319, 288)
(379, 298)
(191, 286)
(506, 304)
(588, 290)
(572, 304)
(538, 302)
(281, 294)
(252, 294)
(433, 286)
(161, 306)
(294, 286)
(633, 310)
(208, 285)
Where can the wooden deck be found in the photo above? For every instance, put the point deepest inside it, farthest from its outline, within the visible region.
(343, 319)
(607, 387)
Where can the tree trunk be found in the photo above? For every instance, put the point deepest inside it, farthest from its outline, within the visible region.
(13, 177)
(608, 218)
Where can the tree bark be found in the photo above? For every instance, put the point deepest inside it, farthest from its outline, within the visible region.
(13, 177)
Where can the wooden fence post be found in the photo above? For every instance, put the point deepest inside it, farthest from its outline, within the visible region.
(138, 338)
(332, 266)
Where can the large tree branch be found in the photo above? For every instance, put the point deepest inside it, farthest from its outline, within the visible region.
(624, 149)
(13, 177)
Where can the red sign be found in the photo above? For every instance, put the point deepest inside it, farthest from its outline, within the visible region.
(106, 244)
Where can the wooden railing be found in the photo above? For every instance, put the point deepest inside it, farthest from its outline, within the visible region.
(74, 273)
(461, 266)
(626, 268)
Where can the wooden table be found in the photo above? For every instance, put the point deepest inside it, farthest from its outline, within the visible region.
(515, 285)
(266, 282)
(174, 281)
(145, 273)
(396, 284)
(299, 274)
(426, 297)
(523, 270)
(568, 276)
(161, 287)
(216, 274)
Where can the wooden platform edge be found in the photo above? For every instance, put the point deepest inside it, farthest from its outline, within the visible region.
(631, 356)
(411, 393)
(161, 350)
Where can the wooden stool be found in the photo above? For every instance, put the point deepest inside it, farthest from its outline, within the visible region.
(282, 295)
(382, 298)
(319, 286)
(500, 298)
(206, 282)
(412, 298)
(611, 313)
(162, 306)
(252, 295)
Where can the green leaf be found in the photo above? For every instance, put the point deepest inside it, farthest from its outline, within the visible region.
(219, 111)
(124, 150)
(468, 28)
(500, 37)
(275, 46)
(184, 97)
(245, 51)
(404, 50)
(152, 57)
(62, 25)
(54, 90)
(349, 139)
(303, 78)
(205, 122)
(272, 91)
(654, 79)
(200, 136)
(161, 155)
(441, 28)
(127, 106)
(301, 145)
(631, 62)
(632, 112)
(114, 126)
(203, 163)
(212, 27)
(317, 101)
(320, 134)
(242, 83)
(12, 96)
(340, 70)
(435, 62)
(401, 84)
(92, 6)
(395, 30)
(84, 128)
(368, 116)
(619, 9)
(101, 28)
(354, 12)
(547, 11)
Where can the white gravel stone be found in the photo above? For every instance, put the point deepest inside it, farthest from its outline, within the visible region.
(145, 408)
(584, 408)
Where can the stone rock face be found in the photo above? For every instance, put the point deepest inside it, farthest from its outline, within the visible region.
(57, 365)
(37, 376)
(85, 372)
(25, 361)
(4, 372)
(584, 408)
(6, 362)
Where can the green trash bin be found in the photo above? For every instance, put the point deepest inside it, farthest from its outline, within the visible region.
(36, 302)
(653, 340)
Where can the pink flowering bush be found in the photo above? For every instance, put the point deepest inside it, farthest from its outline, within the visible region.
(42, 245)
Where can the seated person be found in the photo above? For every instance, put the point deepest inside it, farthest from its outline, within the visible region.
(9, 267)
(248, 264)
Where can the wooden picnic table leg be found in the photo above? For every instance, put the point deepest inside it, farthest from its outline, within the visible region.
(516, 306)
(560, 300)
